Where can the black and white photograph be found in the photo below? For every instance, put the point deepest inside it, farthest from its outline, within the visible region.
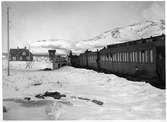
(83, 60)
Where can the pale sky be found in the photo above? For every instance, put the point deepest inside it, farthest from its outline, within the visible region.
(72, 21)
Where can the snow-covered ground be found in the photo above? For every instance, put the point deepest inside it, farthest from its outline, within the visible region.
(122, 99)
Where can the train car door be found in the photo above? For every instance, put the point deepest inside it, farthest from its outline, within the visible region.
(160, 62)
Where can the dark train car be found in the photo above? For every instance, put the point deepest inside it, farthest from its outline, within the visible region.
(75, 61)
(83, 60)
(92, 60)
(143, 59)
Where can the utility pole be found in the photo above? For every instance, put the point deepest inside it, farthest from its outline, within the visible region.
(8, 48)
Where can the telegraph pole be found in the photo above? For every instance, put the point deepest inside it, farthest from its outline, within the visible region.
(8, 44)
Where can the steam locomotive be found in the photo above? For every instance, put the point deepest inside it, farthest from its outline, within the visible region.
(142, 59)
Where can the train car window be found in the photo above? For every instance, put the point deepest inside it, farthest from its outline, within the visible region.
(140, 56)
(133, 56)
(123, 57)
(114, 57)
(130, 57)
(126, 57)
(110, 57)
(151, 56)
(106, 57)
(136, 56)
(127, 54)
(146, 56)
(118, 56)
(143, 57)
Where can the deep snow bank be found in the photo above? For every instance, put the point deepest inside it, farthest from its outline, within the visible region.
(122, 99)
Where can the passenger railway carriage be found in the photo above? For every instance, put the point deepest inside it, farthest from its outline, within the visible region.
(143, 59)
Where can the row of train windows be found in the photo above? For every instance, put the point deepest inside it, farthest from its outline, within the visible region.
(92, 58)
(145, 56)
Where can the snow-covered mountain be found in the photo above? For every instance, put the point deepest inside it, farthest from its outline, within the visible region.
(132, 32)
(123, 34)
(139, 30)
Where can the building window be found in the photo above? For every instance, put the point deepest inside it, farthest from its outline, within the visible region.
(21, 58)
(28, 57)
(14, 58)
(24, 53)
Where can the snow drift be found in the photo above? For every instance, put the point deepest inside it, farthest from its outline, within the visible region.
(122, 99)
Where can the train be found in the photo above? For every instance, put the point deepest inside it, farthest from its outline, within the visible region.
(138, 60)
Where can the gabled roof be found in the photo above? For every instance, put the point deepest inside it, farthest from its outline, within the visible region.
(18, 51)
